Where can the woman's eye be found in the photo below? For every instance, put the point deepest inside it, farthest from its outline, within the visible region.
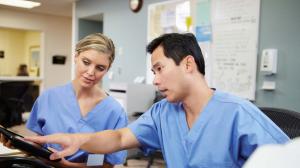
(100, 68)
(85, 62)
(159, 69)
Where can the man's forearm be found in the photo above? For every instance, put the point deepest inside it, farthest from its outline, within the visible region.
(108, 141)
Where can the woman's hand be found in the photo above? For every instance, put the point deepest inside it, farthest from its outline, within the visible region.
(64, 163)
(5, 141)
(67, 164)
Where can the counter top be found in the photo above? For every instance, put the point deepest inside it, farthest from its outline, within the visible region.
(19, 78)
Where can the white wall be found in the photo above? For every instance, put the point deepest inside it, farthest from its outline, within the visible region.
(127, 29)
(56, 33)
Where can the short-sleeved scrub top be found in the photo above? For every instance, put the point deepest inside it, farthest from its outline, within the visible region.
(224, 135)
(57, 111)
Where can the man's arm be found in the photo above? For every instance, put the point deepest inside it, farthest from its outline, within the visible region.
(100, 142)
(110, 141)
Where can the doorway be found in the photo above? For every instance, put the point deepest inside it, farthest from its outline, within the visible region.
(90, 24)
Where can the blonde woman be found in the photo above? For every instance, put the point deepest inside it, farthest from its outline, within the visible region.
(82, 105)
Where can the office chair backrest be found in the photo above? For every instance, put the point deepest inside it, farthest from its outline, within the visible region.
(287, 120)
(13, 89)
(12, 102)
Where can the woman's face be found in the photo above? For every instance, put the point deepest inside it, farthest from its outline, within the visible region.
(91, 66)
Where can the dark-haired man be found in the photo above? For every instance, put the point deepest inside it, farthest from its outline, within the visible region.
(194, 126)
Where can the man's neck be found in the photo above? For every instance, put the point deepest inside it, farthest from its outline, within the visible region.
(196, 101)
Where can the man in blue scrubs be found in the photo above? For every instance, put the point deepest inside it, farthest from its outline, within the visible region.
(194, 126)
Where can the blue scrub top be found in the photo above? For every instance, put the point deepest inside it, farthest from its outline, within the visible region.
(225, 134)
(57, 111)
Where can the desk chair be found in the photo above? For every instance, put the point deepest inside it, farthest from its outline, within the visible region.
(287, 120)
(154, 155)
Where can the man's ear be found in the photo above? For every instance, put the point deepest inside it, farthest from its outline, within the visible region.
(189, 63)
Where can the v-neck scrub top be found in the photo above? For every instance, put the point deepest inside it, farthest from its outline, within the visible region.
(57, 111)
(224, 135)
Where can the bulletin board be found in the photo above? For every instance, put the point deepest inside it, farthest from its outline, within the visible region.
(227, 32)
(166, 17)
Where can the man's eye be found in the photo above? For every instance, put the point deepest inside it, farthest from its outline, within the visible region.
(153, 71)
(159, 69)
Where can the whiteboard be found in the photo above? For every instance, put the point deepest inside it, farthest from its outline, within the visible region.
(235, 26)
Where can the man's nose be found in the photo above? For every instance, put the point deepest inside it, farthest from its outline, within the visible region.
(156, 80)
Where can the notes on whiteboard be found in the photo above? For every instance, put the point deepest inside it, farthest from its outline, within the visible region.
(234, 47)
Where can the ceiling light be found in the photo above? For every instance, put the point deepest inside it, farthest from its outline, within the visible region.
(20, 3)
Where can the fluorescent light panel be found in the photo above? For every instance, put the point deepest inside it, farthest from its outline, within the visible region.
(20, 3)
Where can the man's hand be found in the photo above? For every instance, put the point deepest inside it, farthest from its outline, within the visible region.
(69, 142)
(103, 142)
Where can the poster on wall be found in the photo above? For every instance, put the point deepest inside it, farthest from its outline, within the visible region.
(203, 32)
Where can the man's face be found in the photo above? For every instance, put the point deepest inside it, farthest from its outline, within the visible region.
(168, 77)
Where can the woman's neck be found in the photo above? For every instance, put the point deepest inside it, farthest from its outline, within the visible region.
(82, 92)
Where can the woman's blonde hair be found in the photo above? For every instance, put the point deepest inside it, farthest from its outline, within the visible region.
(98, 42)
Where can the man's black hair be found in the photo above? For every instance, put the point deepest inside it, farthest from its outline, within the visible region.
(177, 46)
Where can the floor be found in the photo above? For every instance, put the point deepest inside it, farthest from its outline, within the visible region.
(132, 163)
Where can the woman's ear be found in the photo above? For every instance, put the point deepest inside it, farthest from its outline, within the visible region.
(75, 58)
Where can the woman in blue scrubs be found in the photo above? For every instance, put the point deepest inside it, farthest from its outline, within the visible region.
(82, 106)
(194, 126)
